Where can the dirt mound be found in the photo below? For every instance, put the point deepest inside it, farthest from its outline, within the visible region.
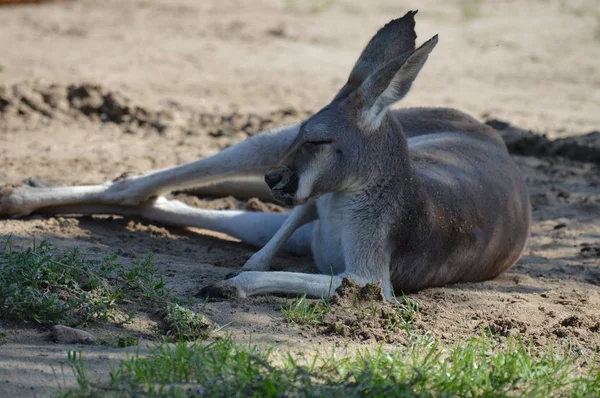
(506, 327)
(47, 103)
(362, 313)
(584, 148)
(525, 310)
(250, 123)
(34, 103)
(578, 327)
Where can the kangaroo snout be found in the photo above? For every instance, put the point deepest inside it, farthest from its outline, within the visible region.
(283, 183)
(272, 178)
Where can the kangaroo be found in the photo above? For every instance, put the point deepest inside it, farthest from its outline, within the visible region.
(410, 198)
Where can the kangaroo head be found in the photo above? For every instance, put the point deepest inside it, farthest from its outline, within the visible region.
(335, 146)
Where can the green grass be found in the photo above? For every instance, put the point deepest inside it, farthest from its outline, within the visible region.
(44, 286)
(47, 287)
(223, 368)
(405, 314)
(303, 312)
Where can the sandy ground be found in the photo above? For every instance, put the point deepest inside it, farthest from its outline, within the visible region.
(91, 89)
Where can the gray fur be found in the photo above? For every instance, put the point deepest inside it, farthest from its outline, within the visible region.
(396, 38)
(445, 205)
(391, 83)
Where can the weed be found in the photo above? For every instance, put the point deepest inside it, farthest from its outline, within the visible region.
(407, 310)
(39, 285)
(121, 341)
(182, 323)
(125, 341)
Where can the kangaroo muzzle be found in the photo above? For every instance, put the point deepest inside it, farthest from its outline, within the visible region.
(283, 183)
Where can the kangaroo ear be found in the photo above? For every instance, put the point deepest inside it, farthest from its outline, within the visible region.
(391, 83)
(397, 37)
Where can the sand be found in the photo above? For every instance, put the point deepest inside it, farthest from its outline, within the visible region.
(91, 89)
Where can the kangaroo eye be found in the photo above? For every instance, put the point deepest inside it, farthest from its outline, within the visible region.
(323, 142)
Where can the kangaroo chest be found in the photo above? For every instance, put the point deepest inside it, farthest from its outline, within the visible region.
(332, 227)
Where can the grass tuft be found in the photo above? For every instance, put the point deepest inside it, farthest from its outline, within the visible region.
(302, 312)
(185, 324)
(405, 314)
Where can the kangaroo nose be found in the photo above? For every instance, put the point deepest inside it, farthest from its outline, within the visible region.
(272, 179)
